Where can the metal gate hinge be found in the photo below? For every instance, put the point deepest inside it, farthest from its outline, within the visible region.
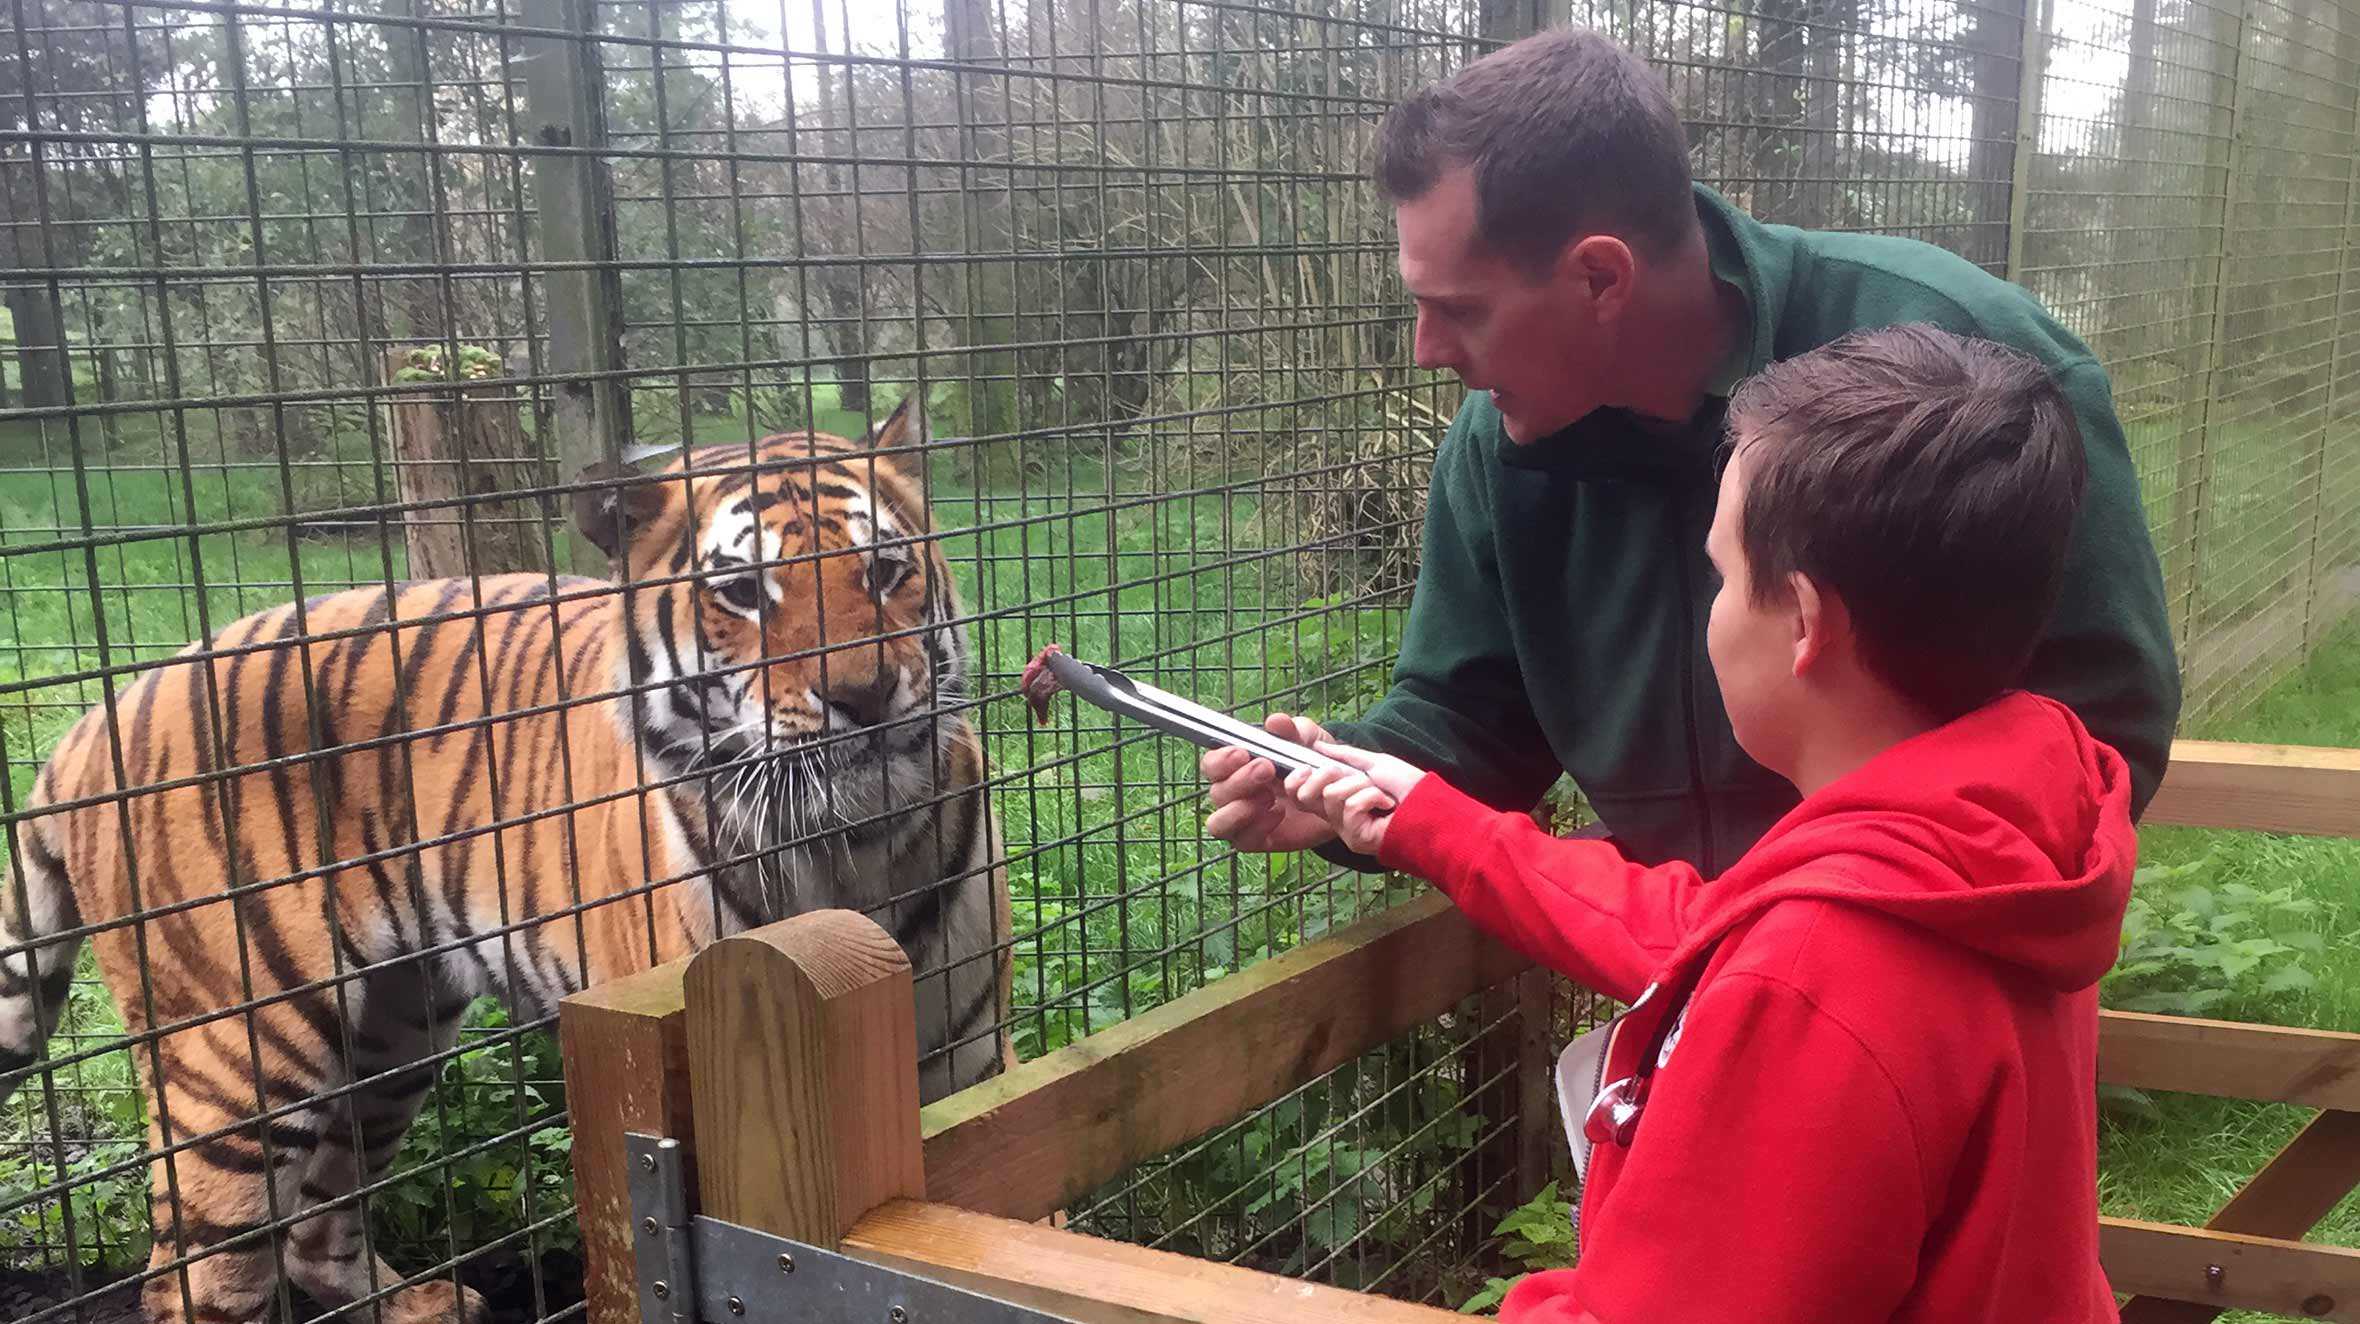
(698, 1270)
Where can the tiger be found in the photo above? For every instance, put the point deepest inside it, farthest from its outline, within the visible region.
(303, 847)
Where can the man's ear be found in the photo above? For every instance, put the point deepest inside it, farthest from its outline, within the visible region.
(1602, 269)
(1820, 622)
(616, 504)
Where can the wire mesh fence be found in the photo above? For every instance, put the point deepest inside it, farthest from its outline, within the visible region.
(2190, 211)
(312, 308)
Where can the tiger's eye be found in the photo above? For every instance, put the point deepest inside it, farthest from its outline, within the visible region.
(887, 574)
(743, 592)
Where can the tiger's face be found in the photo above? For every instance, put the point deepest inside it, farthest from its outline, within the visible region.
(789, 600)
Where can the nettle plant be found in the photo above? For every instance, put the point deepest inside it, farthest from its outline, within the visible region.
(490, 1154)
(2197, 941)
(1538, 1235)
(2191, 943)
(426, 363)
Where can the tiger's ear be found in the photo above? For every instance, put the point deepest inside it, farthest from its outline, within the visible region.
(903, 433)
(622, 502)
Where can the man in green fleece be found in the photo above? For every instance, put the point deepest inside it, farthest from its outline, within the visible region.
(1600, 306)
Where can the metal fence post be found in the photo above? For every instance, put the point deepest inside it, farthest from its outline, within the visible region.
(1510, 1063)
(574, 202)
(2316, 463)
(2195, 450)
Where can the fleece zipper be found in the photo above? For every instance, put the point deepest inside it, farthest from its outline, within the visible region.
(1706, 856)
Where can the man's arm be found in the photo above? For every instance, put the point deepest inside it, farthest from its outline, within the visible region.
(1458, 705)
(2108, 651)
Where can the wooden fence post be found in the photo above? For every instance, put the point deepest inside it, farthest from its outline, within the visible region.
(803, 1053)
(625, 1044)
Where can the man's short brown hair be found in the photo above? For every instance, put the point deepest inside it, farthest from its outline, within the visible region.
(1568, 135)
(1928, 480)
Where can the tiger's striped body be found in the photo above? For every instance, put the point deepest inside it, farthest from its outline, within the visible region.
(338, 822)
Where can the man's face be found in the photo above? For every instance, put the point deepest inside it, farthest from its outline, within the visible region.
(1752, 645)
(1531, 339)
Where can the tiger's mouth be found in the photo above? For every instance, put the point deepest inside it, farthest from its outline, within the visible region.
(896, 737)
(819, 790)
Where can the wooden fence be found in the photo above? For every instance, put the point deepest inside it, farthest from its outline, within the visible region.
(783, 1061)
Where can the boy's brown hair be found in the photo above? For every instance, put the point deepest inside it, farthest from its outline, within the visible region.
(1567, 133)
(1928, 480)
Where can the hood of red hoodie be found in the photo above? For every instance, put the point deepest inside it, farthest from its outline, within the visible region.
(2006, 832)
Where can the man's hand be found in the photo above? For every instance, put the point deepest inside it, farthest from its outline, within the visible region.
(1250, 809)
(1358, 805)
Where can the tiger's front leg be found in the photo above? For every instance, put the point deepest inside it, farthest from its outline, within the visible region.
(328, 1254)
(234, 1204)
(407, 1019)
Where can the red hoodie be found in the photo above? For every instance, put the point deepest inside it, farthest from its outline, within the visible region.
(1882, 1102)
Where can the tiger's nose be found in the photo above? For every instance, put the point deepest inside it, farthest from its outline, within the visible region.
(863, 703)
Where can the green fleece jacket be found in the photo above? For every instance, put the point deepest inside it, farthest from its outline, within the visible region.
(1559, 618)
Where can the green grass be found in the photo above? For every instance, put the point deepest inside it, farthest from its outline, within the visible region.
(1192, 591)
(1120, 901)
(147, 601)
(1107, 852)
(2176, 1158)
(2255, 482)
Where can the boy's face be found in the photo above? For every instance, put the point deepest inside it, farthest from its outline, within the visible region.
(1752, 645)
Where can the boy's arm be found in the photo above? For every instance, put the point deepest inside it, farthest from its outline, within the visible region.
(1774, 1178)
(1574, 906)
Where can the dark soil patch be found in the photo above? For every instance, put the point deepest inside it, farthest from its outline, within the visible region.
(507, 1286)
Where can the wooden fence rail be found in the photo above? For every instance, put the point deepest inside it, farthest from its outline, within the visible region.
(784, 1059)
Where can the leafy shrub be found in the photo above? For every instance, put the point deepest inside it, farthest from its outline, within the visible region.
(1540, 1236)
(100, 1124)
(425, 363)
(461, 1188)
(2190, 944)
(457, 1186)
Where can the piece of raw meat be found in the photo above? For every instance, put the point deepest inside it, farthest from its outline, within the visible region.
(1040, 685)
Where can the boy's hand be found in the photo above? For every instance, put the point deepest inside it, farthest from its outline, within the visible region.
(1250, 809)
(1358, 805)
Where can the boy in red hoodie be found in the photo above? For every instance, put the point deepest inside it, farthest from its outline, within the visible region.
(1858, 1077)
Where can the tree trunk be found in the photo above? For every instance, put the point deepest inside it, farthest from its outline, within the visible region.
(837, 288)
(988, 303)
(838, 293)
(1776, 108)
(1998, 42)
(40, 347)
(421, 299)
(461, 443)
(1825, 202)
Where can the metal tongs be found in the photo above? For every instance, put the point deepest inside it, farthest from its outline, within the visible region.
(1167, 712)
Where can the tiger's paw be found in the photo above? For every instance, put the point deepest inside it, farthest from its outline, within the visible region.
(438, 1303)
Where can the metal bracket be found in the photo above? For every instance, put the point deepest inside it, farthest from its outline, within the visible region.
(699, 1270)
